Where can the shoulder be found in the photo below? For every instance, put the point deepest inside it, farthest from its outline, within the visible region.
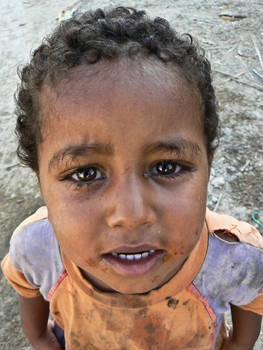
(33, 240)
(242, 230)
(232, 272)
(35, 252)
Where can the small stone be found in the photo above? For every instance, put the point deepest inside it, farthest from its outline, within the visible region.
(230, 169)
(218, 182)
(214, 199)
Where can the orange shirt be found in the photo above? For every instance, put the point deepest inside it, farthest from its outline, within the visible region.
(181, 314)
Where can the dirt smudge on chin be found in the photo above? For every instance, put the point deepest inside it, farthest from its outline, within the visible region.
(155, 278)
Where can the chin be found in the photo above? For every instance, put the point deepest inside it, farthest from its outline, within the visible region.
(135, 289)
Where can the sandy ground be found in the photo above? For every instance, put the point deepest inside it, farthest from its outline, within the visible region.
(236, 176)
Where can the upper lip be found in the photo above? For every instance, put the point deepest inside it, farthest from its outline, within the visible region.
(132, 248)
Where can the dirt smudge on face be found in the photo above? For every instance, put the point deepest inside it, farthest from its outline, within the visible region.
(166, 257)
(90, 262)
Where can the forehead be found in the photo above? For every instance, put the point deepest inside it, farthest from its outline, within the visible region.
(139, 95)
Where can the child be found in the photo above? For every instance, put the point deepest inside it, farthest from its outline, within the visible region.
(117, 117)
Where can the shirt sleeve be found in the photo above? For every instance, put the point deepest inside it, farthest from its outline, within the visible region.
(17, 280)
(256, 305)
(34, 263)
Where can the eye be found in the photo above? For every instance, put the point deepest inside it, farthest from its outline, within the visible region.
(84, 175)
(168, 168)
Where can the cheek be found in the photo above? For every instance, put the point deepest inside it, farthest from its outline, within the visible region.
(71, 209)
(76, 223)
(183, 218)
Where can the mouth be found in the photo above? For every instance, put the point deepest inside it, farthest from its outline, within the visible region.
(132, 262)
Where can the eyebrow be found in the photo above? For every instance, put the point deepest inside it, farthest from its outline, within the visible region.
(74, 151)
(179, 145)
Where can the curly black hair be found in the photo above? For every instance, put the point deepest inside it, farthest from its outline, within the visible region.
(85, 39)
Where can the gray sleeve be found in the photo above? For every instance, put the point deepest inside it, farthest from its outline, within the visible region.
(231, 273)
(34, 251)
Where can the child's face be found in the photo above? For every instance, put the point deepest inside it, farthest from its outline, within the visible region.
(123, 169)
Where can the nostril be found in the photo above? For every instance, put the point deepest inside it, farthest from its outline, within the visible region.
(128, 223)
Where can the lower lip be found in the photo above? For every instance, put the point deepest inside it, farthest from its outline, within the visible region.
(134, 267)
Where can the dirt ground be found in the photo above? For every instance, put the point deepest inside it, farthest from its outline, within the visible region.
(231, 42)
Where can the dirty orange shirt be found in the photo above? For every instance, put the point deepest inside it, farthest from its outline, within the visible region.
(185, 313)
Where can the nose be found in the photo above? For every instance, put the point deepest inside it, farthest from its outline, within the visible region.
(130, 205)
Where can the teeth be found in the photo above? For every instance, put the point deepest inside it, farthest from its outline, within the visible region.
(135, 256)
(130, 256)
(138, 256)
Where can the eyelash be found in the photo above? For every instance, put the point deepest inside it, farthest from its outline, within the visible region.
(173, 165)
